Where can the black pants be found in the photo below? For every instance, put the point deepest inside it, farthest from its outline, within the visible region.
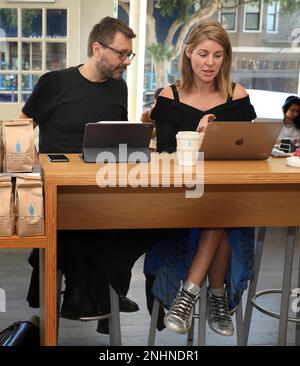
(95, 259)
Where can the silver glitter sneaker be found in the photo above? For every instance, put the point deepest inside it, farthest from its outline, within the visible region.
(179, 317)
(218, 314)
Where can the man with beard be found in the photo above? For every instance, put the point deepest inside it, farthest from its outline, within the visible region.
(61, 103)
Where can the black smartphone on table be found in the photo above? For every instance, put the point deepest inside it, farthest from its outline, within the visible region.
(57, 158)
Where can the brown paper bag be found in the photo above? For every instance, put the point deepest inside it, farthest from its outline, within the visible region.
(7, 214)
(29, 206)
(19, 145)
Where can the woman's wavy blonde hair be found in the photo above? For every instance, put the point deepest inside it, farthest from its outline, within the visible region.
(213, 31)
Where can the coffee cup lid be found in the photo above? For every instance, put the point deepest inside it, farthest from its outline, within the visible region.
(188, 134)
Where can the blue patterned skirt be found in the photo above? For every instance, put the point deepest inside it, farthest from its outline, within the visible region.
(169, 261)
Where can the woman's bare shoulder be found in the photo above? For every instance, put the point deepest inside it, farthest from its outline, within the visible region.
(167, 93)
(239, 92)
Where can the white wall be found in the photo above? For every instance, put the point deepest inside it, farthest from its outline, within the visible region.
(91, 11)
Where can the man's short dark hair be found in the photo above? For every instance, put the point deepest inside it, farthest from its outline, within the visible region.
(105, 31)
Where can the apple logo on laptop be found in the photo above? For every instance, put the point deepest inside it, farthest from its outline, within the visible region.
(239, 141)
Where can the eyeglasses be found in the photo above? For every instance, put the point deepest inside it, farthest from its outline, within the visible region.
(122, 54)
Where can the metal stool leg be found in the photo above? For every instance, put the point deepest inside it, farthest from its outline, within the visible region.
(153, 323)
(297, 335)
(286, 285)
(201, 318)
(202, 314)
(190, 336)
(114, 320)
(252, 288)
(59, 277)
(239, 324)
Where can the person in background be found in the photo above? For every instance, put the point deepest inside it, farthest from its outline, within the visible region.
(291, 120)
(61, 104)
(180, 264)
(146, 118)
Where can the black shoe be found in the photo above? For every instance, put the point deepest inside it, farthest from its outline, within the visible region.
(76, 304)
(70, 313)
(127, 305)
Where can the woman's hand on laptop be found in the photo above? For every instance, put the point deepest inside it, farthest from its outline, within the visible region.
(203, 123)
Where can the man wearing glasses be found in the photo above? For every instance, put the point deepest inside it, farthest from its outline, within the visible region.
(62, 102)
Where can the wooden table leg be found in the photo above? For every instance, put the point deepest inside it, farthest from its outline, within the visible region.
(50, 264)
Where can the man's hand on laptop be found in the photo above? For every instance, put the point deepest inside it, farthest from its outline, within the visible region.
(203, 123)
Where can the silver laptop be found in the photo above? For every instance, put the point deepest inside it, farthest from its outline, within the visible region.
(240, 140)
(117, 141)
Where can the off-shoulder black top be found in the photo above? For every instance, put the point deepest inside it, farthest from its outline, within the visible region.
(172, 116)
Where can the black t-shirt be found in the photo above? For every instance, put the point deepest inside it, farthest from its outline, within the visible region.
(63, 101)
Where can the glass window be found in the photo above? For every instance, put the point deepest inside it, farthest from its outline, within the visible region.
(31, 50)
(31, 56)
(28, 83)
(8, 22)
(266, 62)
(9, 56)
(56, 23)
(228, 21)
(56, 55)
(8, 88)
(228, 16)
(252, 16)
(272, 17)
(31, 22)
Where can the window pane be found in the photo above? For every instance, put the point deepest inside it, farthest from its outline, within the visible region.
(56, 55)
(31, 22)
(228, 21)
(252, 21)
(271, 22)
(28, 83)
(56, 23)
(8, 56)
(11, 97)
(8, 23)
(8, 88)
(31, 56)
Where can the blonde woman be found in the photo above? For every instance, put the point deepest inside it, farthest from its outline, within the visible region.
(205, 93)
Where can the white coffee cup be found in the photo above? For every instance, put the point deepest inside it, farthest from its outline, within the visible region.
(188, 145)
(189, 139)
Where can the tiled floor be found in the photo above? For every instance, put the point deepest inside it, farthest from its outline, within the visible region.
(15, 275)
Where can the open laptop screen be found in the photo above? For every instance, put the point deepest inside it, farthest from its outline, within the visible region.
(107, 136)
(239, 140)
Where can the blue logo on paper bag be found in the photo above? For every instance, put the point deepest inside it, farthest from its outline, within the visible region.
(18, 147)
(190, 143)
(31, 210)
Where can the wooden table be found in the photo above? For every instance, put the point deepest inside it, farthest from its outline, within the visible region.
(236, 194)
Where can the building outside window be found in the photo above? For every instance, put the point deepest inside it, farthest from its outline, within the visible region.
(265, 58)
